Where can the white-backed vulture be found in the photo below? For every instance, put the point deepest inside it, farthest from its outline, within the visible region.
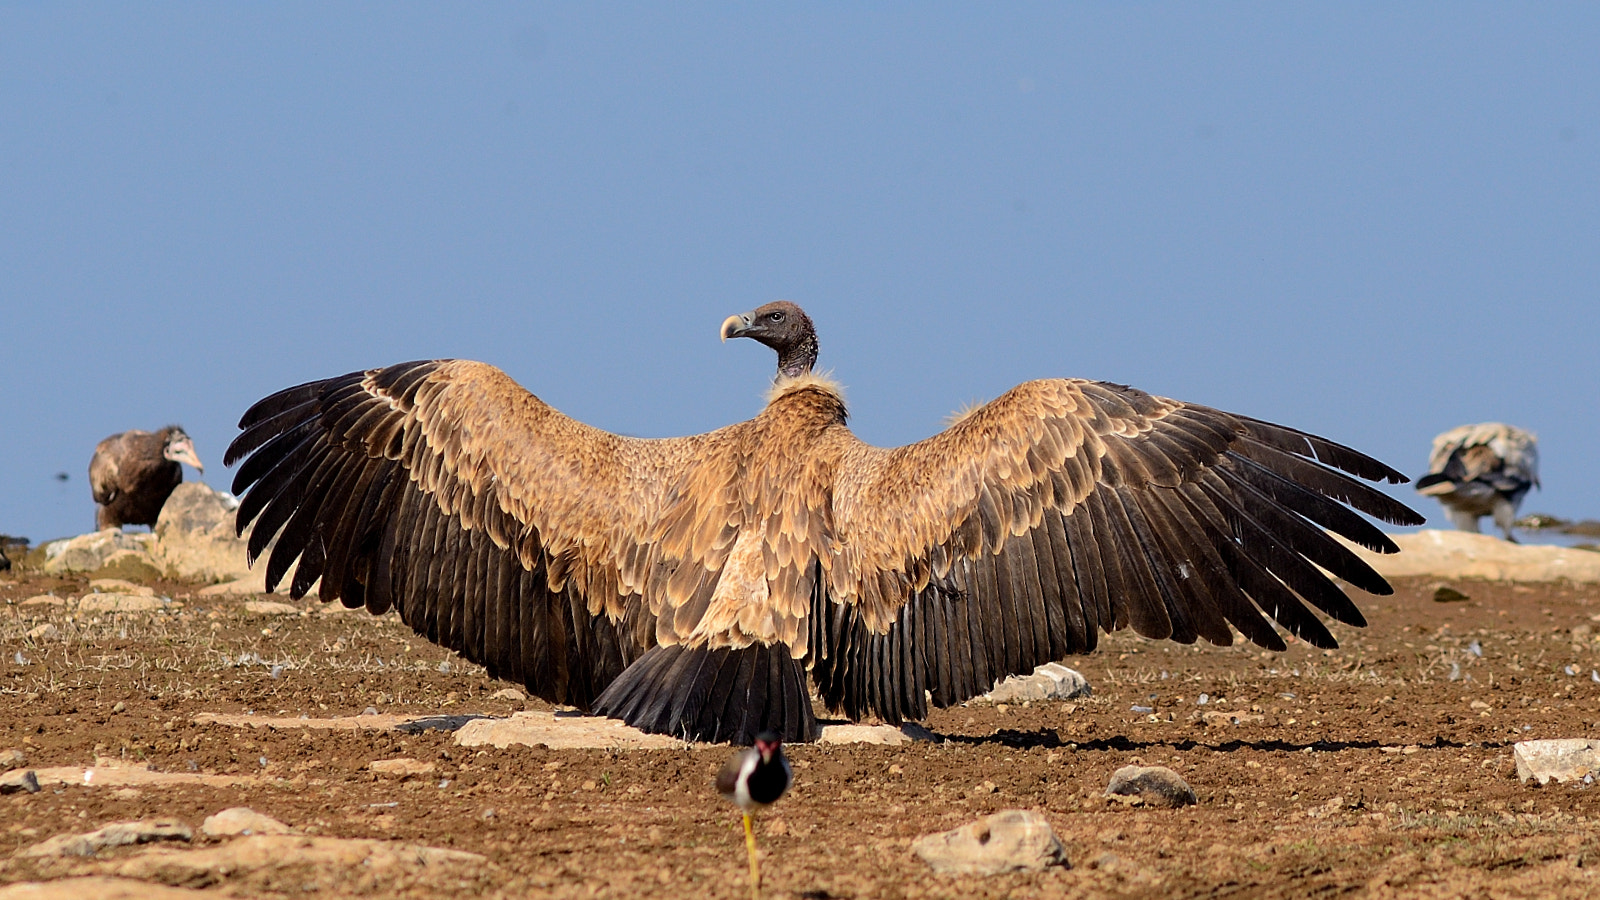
(1482, 470)
(689, 585)
(133, 473)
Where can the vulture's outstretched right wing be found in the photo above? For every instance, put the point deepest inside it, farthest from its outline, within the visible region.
(492, 522)
(502, 529)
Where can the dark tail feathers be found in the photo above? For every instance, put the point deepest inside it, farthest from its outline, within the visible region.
(717, 695)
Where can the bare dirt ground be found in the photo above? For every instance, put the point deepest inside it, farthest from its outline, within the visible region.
(1381, 769)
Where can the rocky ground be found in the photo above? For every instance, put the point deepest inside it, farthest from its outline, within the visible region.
(1381, 769)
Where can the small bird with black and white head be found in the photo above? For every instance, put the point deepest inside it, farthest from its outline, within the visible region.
(754, 779)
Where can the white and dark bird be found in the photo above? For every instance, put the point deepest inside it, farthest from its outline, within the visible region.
(1482, 470)
(133, 473)
(703, 586)
(753, 779)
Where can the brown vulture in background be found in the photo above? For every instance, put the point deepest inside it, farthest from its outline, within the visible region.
(1482, 470)
(133, 473)
(689, 585)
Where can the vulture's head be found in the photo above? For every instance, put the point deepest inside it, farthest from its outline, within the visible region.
(782, 326)
(180, 449)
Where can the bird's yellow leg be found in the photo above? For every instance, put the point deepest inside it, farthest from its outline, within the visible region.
(755, 867)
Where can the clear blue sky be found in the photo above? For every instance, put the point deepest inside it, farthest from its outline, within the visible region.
(1372, 221)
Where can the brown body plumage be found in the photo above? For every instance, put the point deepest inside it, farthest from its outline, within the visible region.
(133, 473)
(690, 585)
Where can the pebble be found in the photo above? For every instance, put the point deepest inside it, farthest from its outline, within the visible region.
(1150, 786)
(340, 866)
(1012, 840)
(887, 735)
(122, 603)
(1051, 681)
(22, 781)
(242, 820)
(117, 835)
(1563, 760)
(120, 586)
(1232, 718)
(401, 767)
(270, 608)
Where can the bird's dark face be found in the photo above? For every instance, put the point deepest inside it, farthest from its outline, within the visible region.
(784, 327)
(779, 325)
(180, 449)
(769, 745)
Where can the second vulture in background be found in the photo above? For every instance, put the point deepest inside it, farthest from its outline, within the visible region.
(1482, 470)
(691, 585)
(133, 473)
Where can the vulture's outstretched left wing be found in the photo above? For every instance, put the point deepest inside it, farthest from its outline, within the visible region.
(1068, 507)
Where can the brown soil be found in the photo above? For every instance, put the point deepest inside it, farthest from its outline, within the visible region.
(1380, 769)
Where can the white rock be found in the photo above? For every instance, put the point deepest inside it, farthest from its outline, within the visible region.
(194, 536)
(43, 600)
(338, 866)
(1218, 718)
(91, 552)
(45, 632)
(120, 586)
(1051, 681)
(1150, 786)
(118, 835)
(242, 820)
(536, 728)
(886, 735)
(122, 603)
(98, 887)
(1568, 759)
(134, 776)
(270, 608)
(508, 694)
(402, 767)
(19, 782)
(1461, 554)
(1011, 840)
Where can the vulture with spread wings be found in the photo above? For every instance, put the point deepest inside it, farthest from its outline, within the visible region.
(690, 585)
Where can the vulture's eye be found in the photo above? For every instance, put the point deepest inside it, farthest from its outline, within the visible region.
(776, 317)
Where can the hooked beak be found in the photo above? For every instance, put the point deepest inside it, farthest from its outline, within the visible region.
(183, 451)
(735, 326)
